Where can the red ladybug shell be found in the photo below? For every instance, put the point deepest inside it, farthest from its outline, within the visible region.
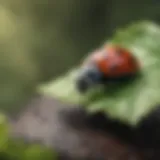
(114, 61)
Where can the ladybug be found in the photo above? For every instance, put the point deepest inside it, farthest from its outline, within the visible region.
(109, 63)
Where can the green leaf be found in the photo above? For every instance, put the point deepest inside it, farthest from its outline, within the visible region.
(127, 103)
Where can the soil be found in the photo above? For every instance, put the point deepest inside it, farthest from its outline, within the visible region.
(77, 136)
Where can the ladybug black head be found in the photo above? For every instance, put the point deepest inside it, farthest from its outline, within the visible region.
(87, 78)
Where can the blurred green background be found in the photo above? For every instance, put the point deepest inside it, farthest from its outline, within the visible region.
(41, 39)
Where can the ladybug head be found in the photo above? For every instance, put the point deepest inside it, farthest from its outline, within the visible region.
(88, 77)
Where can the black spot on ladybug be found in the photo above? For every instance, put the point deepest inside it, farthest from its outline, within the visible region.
(113, 67)
(133, 60)
(119, 51)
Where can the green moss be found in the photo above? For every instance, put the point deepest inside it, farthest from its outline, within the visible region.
(17, 150)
